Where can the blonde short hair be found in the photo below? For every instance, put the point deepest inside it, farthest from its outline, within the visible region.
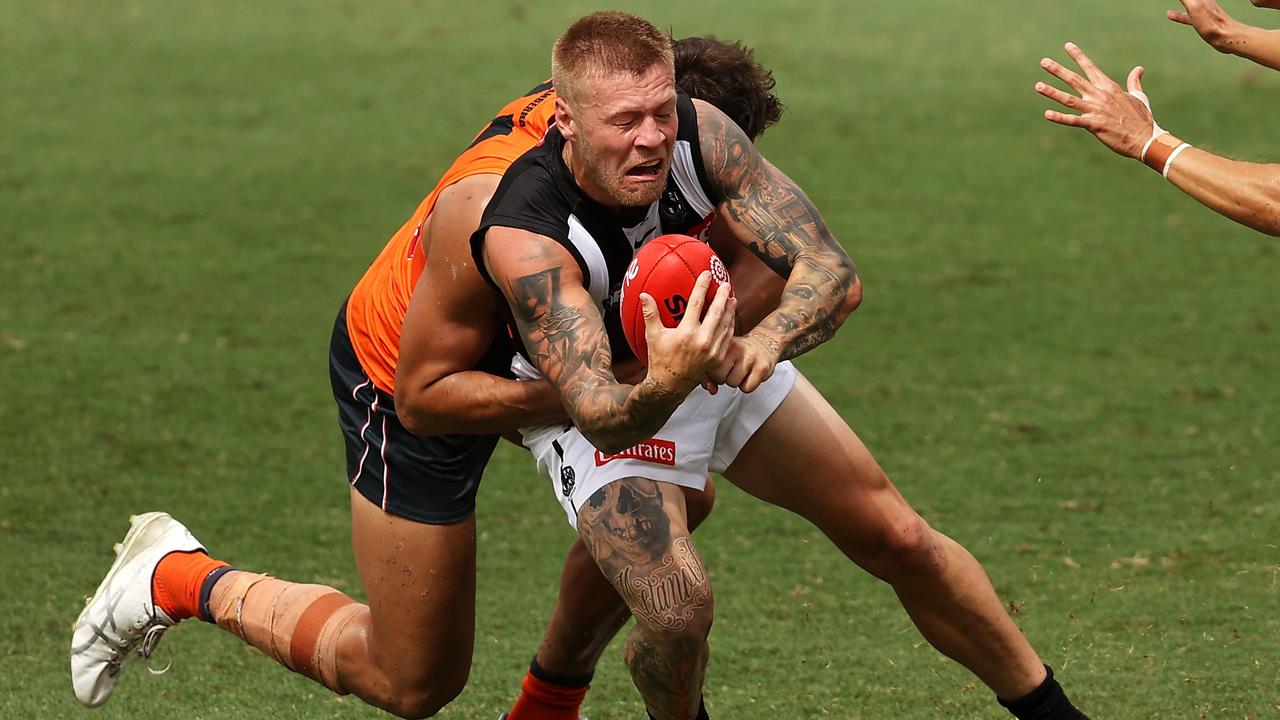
(603, 43)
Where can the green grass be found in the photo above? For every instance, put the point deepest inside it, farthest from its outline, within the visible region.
(1064, 363)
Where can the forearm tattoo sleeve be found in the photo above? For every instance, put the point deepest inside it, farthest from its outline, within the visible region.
(783, 228)
(565, 337)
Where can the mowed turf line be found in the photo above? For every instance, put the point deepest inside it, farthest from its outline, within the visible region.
(1065, 365)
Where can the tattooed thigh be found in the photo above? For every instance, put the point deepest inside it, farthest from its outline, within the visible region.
(628, 529)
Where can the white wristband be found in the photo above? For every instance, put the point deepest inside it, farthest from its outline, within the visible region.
(1173, 156)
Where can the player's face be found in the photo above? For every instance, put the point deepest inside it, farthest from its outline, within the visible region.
(626, 133)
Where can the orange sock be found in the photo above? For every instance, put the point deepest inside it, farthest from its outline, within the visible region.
(176, 584)
(546, 700)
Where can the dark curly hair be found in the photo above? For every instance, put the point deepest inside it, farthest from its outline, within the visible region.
(727, 75)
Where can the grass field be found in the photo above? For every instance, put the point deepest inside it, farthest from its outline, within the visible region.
(1064, 363)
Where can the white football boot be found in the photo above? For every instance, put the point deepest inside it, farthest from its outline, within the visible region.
(121, 622)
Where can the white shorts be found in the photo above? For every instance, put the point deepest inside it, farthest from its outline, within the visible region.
(705, 434)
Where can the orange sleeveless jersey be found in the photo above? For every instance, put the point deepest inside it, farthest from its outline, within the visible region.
(376, 308)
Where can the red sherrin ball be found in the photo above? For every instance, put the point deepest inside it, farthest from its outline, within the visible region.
(667, 267)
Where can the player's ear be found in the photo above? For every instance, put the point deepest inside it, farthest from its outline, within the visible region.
(564, 118)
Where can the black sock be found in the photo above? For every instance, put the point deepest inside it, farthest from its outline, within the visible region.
(702, 711)
(206, 589)
(569, 681)
(1046, 702)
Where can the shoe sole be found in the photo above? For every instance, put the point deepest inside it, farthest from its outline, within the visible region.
(139, 530)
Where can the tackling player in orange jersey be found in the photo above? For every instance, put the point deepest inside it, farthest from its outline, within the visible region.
(413, 482)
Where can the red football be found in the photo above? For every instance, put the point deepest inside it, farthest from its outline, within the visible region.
(667, 268)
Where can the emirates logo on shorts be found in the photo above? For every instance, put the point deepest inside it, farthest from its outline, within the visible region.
(662, 452)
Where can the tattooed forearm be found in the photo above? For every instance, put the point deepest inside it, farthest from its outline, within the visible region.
(785, 231)
(803, 320)
(567, 341)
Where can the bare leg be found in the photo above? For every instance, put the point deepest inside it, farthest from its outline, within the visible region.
(407, 652)
(588, 611)
(845, 494)
(637, 532)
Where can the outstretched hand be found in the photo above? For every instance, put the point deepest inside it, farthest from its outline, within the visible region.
(1209, 20)
(1121, 119)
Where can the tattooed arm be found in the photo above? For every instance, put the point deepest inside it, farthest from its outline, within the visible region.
(755, 285)
(777, 222)
(565, 337)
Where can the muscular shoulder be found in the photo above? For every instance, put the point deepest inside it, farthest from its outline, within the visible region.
(458, 210)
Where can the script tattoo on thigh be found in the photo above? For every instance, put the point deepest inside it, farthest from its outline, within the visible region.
(627, 530)
(669, 595)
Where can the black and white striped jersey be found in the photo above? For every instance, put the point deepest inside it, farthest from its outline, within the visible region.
(538, 194)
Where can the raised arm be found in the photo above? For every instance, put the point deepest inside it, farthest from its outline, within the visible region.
(1228, 35)
(1246, 192)
(777, 222)
(450, 323)
(564, 334)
